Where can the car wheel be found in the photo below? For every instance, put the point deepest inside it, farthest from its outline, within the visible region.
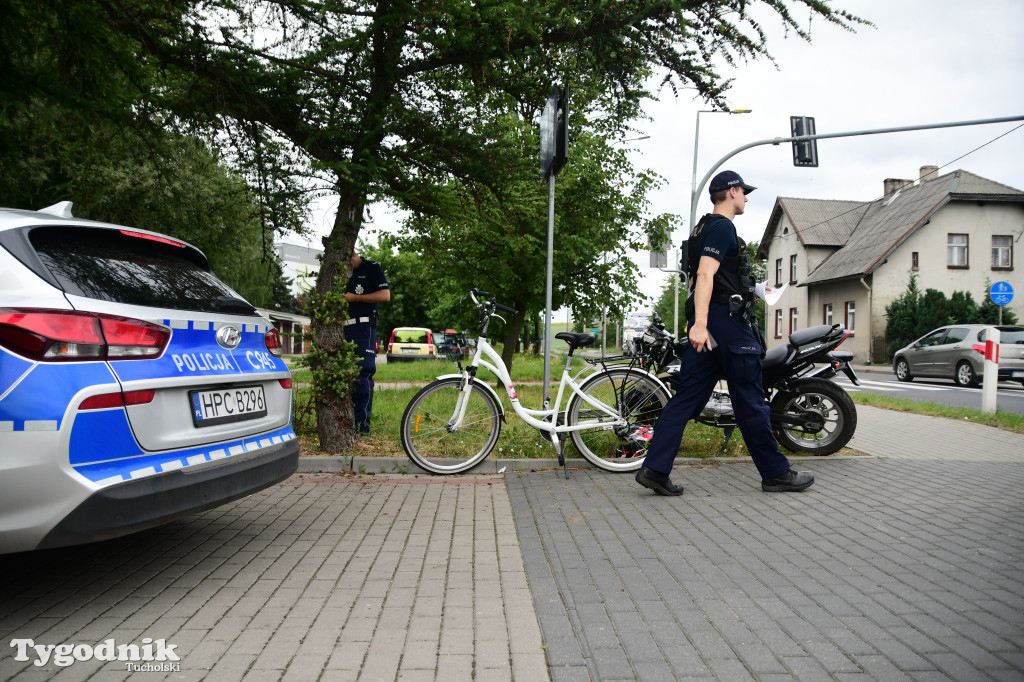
(902, 370)
(965, 375)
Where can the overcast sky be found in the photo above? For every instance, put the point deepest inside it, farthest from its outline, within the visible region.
(925, 61)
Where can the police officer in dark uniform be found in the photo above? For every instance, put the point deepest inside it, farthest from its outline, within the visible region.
(724, 342)
(367, 288)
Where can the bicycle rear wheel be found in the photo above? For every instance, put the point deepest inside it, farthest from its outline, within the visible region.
(430, 440)
(633, 395)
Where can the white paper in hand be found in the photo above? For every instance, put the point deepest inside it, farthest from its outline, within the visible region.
(769, 295)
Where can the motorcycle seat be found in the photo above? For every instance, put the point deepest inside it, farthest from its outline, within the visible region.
(776, 356)
(805, 336)
(576, 340)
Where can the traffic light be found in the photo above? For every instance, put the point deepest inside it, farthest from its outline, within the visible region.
(804, 153)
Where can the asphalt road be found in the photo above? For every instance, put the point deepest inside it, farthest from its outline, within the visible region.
(1009, 395)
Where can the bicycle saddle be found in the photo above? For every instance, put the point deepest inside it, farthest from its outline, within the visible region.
(575, 340)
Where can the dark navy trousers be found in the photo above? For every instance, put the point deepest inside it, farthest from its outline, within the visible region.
(365, 338)
(737, 358)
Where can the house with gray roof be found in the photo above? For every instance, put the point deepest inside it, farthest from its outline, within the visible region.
(845, 261)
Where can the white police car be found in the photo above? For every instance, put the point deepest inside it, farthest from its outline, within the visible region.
(135, 387)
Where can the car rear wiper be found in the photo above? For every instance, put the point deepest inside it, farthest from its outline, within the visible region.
(229, 304)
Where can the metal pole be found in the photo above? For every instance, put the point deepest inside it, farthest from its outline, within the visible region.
(547, 293)
(604, 334)
(604, 320)
(693, 180)
(805, 138)
(675, 321)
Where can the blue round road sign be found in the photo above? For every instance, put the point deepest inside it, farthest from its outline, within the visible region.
(1001, 293)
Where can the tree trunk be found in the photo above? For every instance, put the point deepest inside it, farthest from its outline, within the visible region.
(335, 414)
(511, 340)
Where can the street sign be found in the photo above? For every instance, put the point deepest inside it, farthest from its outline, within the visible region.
(1001, 293)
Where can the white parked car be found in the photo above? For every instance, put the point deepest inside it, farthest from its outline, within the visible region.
(135, 386)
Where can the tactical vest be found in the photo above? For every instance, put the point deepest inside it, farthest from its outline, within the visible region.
(732, 279)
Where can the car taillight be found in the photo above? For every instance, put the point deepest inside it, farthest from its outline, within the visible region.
(285, 383)
(980, 347)
(119, 399)
(273, 341)
(74, 336)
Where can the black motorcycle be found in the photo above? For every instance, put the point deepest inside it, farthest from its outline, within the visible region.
(809, 413)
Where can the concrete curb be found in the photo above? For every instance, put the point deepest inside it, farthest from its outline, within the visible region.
(403, 465)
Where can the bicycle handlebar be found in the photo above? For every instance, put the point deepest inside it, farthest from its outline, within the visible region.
(473, 293)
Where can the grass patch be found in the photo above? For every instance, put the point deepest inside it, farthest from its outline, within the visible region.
(518, 440)
(1002, 420)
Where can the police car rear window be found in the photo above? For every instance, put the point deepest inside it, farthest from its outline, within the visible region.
(110, 266)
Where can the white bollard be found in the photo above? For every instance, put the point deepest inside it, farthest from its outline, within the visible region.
(990, 377)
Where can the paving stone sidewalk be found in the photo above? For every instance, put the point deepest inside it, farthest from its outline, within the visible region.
(904, 566)
(318, 578)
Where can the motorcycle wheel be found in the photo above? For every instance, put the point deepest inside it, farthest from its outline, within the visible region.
(829, 402)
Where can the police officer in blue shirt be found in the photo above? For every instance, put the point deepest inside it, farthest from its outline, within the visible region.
(366, 288)
(724, 342)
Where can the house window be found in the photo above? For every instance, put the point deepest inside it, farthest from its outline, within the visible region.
(778, 272)
(792, 269)
(914, 263)
(826, 314)
(792, 320)
(956, 251)
(1002, 252)
(850, 315)
(778, 324)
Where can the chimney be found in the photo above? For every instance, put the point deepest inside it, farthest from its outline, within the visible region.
(892, 185)
(928, 173)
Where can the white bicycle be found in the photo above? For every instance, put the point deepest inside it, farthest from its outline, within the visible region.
(453, 423)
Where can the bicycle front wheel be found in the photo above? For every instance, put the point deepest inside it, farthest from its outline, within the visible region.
(636, 400)
(434, 443)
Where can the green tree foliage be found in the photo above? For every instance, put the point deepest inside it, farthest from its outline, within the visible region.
(914, 314)
(75, 124)
(495, 236)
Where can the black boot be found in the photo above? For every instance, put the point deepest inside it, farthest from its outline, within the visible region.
(789, 482)
(658, 482)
